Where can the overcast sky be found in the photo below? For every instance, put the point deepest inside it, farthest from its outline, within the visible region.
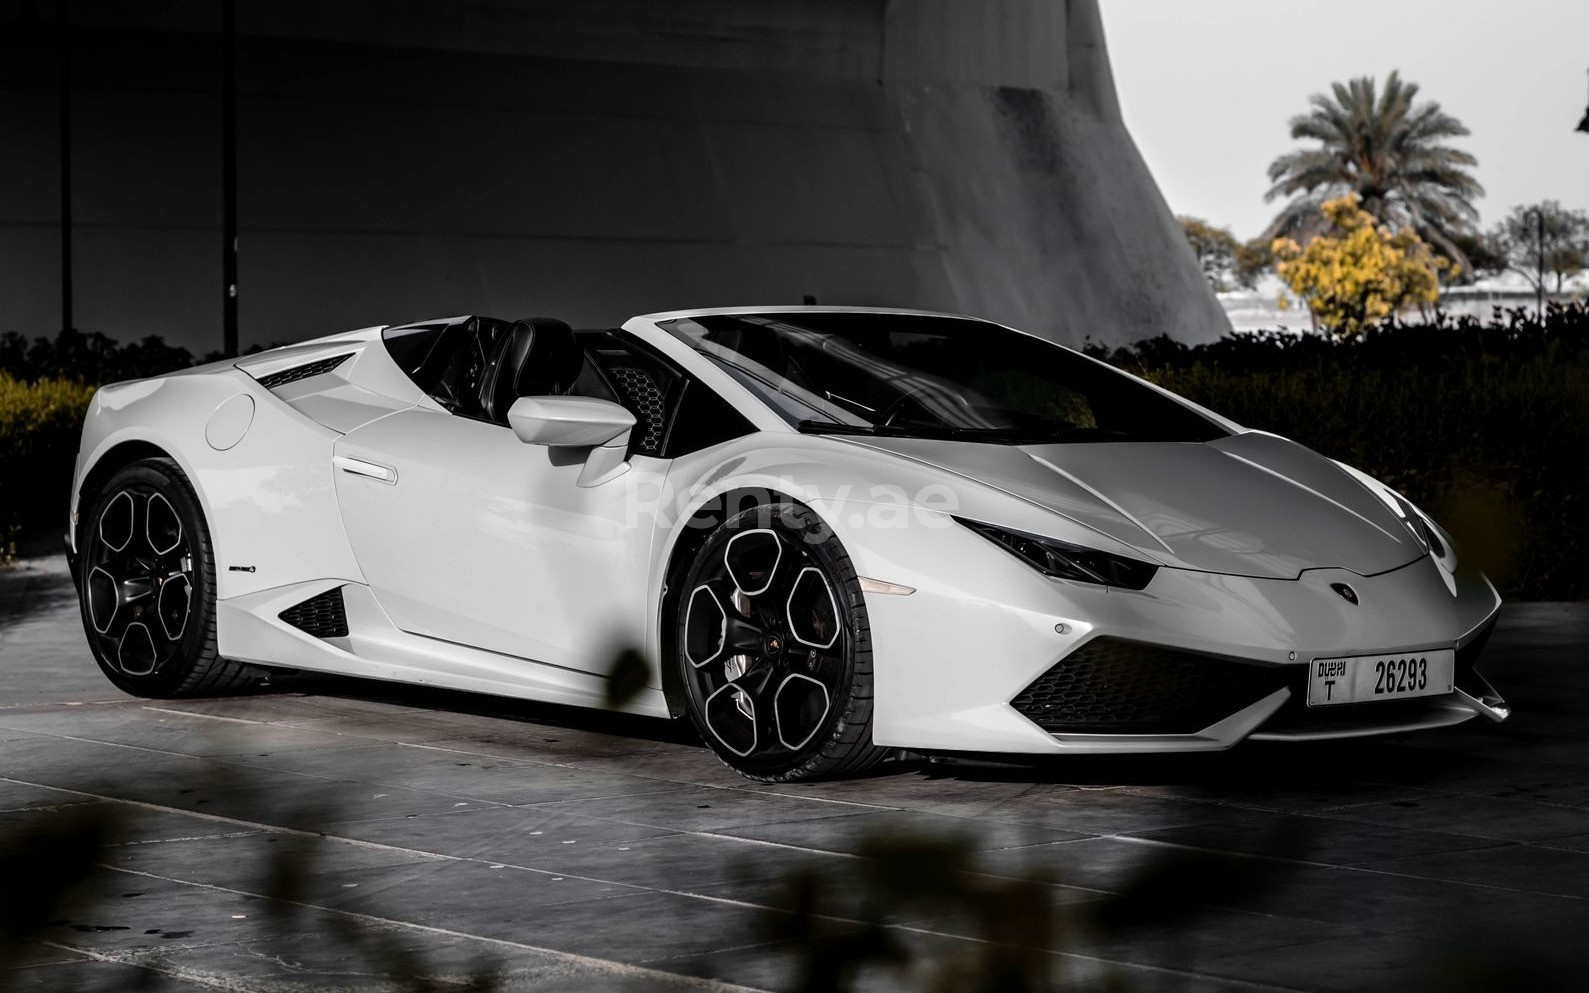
(1207, 87)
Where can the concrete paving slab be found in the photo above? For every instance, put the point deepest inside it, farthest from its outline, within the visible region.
(1388, 902)
(378, 959)
(677, 926)
(84, 975)
(455, 774)
(160, 729)
(698, 808)
(22, 796)
(1576, 843)
(31, 955)
(849, 893)
(188, 783)
(251, 862)
(590, 852)
(301, 802)
(1351, 963)
(133, 825)
(1318, 839)
(1516, 867)
(1204, 942)
(1110, 864)
(126, 910)
(515, 835)
(683, 862)
(490, 900)
(1497, 818)
(1285, 792)
(856, 832)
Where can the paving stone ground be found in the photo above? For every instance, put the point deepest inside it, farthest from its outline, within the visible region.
(441, 834)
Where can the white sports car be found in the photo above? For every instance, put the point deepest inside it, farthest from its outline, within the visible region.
(834, 533)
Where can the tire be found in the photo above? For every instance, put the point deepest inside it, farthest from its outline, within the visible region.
(147, 587)
(773, 649)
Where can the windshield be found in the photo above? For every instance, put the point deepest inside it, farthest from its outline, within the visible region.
(933, 377)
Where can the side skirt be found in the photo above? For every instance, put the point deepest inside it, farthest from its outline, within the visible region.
(249, 629)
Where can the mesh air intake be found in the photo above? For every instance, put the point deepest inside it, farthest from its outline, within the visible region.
(322, 615)
(1109, 686)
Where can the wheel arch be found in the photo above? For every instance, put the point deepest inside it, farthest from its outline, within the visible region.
(112, 461)
(692, 534)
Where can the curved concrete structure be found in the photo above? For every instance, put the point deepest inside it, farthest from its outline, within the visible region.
(592, 160)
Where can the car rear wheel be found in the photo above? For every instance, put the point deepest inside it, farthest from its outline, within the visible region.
(147, 586)
(774, 650)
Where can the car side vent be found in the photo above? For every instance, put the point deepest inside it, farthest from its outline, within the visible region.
(304, 371)
(646, 400)
(322, 615)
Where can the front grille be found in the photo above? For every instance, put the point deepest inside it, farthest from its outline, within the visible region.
(1109, 686)
(322, 615)
(304, 371)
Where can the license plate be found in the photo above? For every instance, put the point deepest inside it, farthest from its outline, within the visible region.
(1366, 678)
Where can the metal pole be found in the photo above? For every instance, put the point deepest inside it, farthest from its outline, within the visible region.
(229, 175)
(63, 19)
(1539, 261)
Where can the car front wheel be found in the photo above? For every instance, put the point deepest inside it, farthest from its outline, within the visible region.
(774, 650)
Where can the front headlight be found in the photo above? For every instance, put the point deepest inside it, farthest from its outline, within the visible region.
(1063, 560)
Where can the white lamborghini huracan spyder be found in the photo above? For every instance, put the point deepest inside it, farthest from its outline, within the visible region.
(835, 534)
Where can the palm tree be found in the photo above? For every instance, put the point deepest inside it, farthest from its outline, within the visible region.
(1388, 150)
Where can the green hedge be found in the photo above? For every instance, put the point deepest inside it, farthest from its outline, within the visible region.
(39, 427)
(1486, 426)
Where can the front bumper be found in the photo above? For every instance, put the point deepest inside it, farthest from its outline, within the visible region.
(71, 556)
(950, 663)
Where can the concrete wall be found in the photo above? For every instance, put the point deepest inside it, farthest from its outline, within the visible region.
(590, 160)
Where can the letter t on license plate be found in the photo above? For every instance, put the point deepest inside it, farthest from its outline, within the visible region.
(1366, 678)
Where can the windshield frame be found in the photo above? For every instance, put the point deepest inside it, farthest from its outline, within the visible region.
(801, 410)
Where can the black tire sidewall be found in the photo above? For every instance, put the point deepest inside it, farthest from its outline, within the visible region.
(810, 532)
(198, 638)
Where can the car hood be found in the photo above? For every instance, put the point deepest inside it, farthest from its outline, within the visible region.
(1250, 504)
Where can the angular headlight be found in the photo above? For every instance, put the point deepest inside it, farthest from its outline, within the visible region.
(1063, 560)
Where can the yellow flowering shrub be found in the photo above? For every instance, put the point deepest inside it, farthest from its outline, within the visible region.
(1359, 272)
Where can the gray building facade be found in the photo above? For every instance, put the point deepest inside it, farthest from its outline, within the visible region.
(588, 159)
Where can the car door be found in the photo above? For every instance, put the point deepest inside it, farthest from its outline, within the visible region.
(468, 535)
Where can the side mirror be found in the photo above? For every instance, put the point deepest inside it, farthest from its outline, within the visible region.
(577, 422)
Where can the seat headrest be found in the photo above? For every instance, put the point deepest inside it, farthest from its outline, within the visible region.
(538, 356)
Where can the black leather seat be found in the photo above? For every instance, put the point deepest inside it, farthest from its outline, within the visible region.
(539, 356)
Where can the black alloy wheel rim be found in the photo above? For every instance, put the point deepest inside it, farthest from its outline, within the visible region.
(765, 645)
(138, 582)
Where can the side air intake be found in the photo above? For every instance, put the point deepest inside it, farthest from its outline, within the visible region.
(304, 371)
(322, 615)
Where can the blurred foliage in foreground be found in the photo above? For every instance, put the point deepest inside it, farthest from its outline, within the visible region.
(61, 865)
(1483, 425)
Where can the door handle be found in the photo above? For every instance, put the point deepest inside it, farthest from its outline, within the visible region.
(359, 467)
